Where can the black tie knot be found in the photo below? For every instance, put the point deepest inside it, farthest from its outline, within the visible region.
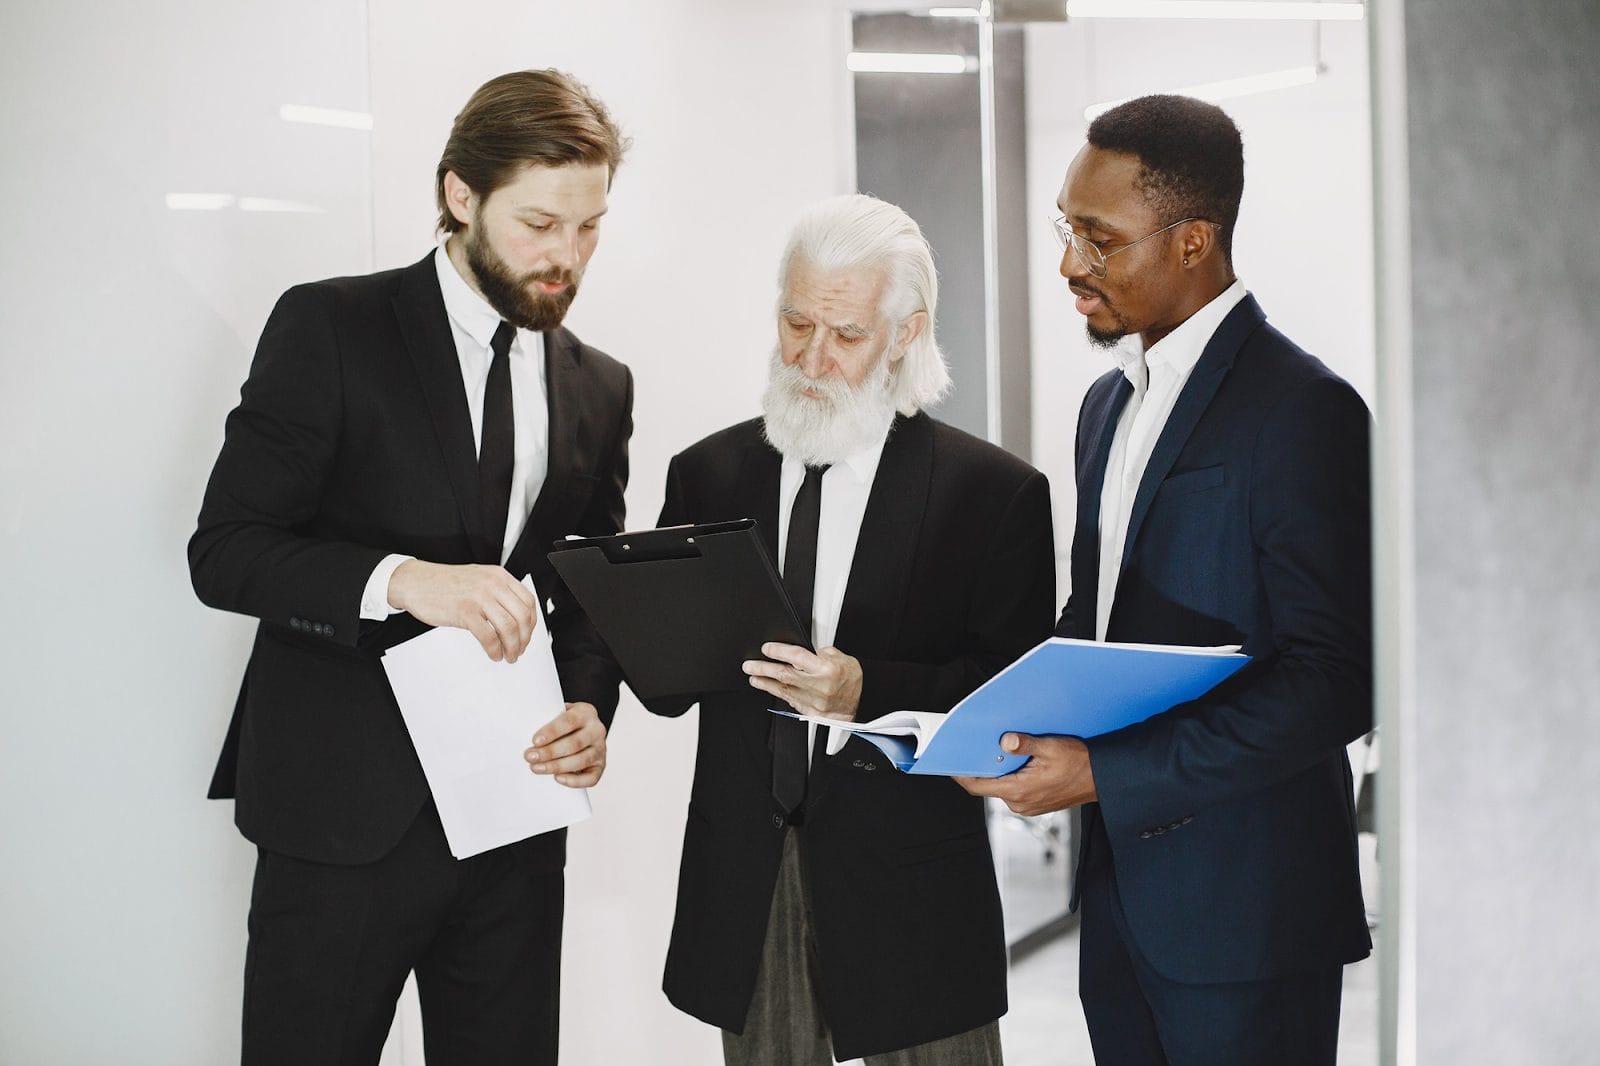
(500, 343)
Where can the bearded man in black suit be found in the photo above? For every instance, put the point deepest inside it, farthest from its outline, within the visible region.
(829, 905)
(407, 446)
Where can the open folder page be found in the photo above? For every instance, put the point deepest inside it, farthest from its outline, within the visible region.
(470, 719)
(1062, 687)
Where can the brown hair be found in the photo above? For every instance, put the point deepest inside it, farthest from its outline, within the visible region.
(527, 116)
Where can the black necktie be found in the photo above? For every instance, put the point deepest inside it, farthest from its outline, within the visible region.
(498, 448)
(790, 765)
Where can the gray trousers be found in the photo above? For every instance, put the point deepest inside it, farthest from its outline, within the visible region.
(785, 1025)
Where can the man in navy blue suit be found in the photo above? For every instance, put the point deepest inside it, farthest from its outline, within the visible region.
(1223, 498)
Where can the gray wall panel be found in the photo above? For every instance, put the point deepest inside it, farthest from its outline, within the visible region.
(1505, 216)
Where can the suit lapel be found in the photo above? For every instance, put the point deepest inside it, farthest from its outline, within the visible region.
(1196, 396)
(880, 571)
(756, 494)
(1099, 432)
(419, 308)
(563, 386)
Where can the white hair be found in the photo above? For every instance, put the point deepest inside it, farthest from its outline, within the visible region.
(853, 231)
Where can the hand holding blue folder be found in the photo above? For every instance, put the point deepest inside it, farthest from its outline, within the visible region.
(1062, 687)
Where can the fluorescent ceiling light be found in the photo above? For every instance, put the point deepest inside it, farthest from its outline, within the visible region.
(260, 203)
(954, 12)
(1225, 90)
(1214, 9)
(325, 116)
(909, 63)
(216, 201)
(199, 201)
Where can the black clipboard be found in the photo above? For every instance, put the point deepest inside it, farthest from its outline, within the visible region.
(681, 608)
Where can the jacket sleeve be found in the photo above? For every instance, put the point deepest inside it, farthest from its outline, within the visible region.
(587, 670)
(1012, 609)
(250, 552)
(1311, 693)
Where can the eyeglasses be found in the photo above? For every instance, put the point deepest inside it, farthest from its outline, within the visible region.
(1091, 254)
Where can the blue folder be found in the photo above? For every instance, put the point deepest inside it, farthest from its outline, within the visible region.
(1062, 687)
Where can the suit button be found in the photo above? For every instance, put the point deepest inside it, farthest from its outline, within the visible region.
(1187, 819)
(1145, 835)
(295, 623)
(871, 766)
(777, 821)
(1174, 825)
(327, 630)
(1158, 830)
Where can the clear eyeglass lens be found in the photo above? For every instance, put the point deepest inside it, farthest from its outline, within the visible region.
(1093, 260)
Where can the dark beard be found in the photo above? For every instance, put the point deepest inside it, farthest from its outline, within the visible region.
(1104, 338)
(508, 294)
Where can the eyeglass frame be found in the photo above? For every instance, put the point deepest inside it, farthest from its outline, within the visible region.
(1065, 236)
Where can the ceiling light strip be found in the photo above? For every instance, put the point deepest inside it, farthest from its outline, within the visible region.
(325, 116)
(1215, 9)
(909, 63)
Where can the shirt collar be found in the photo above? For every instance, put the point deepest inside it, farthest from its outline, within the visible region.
(471, 312)
(1130, 357)
(1181, 349)
(862, 464)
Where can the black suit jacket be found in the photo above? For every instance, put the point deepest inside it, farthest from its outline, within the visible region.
(352, 440)
(1230, 819)
(953, 578)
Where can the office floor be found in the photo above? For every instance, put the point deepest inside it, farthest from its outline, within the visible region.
(1045, 1024)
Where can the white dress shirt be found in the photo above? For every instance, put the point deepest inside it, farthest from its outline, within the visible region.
(473, 323)
(1158, 376)
(845, 488)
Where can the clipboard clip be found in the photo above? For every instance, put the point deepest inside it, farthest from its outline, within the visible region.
(651, 546)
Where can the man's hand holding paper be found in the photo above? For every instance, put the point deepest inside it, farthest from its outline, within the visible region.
(469, 717)
(572, 747)
(486, 601)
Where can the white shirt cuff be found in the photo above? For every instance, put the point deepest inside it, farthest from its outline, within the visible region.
(375, 597)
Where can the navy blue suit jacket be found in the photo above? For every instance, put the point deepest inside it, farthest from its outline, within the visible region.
(1230, 819)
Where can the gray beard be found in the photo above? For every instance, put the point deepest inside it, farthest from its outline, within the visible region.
(821, 432)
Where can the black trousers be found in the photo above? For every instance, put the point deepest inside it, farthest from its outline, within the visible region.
(1136, 1017)
(331, 946)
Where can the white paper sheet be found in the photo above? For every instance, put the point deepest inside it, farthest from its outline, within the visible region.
(470, 719)
(920, 726)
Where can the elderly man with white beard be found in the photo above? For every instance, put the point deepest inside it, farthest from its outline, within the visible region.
(829, 905)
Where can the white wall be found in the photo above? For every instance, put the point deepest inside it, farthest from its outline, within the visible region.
(128, 327)
(1303, 245)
